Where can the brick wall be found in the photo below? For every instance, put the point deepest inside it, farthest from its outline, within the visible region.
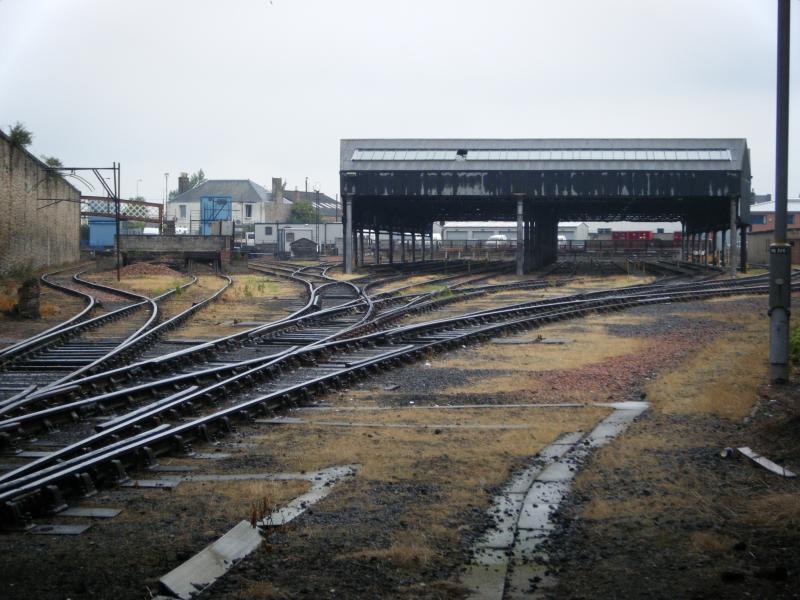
(32, 233)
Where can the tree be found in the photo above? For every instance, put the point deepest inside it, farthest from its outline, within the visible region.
(195, 179)
(20, 136)
(52, 161)
(302, 212)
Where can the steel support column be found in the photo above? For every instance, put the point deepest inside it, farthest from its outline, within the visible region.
(743, 249)
(520, 238)
(348, 235)
(413, 246)
(732, 256)
(403, 246)
(391, 247)
(377, 246)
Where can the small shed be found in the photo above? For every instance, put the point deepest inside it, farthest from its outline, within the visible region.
(304, 248)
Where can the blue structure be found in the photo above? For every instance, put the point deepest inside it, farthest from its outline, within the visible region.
(101, 232)
(214, 208)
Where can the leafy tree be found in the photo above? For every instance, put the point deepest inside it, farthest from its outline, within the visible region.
(302, 212)
(52, 161)
(195, 179)
(20, 136)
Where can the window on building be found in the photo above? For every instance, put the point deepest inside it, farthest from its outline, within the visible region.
(182, 211)
(248, 211)
(757, 219)
(268, 230)
(660, 230)
(290, 237)
(604, 230)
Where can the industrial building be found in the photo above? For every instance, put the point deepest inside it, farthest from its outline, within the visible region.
(402, 186)
(39, 212)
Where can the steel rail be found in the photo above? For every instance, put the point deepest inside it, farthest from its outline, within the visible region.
(110, 465)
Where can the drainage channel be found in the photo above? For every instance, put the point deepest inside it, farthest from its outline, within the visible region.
(508, 562)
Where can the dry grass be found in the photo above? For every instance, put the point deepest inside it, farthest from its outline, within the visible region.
(458, 463)
(409, 550)
(590, 343)
(780, 511)
(252, 298)
(710, 543)
(720, 378)
(147, 285)
(259, 590)
(230, 501)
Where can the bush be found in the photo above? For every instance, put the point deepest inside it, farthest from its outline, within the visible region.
(794, 346)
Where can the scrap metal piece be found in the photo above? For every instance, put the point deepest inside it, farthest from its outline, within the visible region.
(765, 462)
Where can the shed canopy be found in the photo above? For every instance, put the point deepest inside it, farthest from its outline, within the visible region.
(404, 181)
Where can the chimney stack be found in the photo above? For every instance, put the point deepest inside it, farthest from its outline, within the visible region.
(183, 183)
(277, 190)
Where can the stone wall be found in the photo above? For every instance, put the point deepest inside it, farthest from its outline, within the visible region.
(35, 230)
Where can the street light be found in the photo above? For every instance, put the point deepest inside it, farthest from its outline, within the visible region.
(780, 252)
(138, 181)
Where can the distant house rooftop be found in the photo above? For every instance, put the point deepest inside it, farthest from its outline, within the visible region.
(240, 190)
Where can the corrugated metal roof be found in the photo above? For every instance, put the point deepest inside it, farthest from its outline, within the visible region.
(633, 154)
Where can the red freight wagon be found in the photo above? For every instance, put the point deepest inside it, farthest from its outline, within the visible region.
(677, 236)
(632, 235)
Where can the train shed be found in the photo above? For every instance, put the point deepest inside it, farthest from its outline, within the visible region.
(400, 187)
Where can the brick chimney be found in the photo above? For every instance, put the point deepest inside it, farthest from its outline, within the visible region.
(277, 190)
(183, 183)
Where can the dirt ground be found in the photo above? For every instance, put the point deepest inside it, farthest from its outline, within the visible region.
(657, 513)
(54, 307)
(253, 298)
(660, 514)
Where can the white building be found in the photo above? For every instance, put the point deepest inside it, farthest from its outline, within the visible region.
(483, 230)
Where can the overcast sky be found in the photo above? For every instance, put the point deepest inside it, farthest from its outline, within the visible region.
(259, 89)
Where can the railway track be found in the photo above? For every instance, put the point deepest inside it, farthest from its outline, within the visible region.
(81, 346)
(171, 423)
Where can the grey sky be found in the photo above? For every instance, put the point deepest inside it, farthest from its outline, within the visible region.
(256, 89)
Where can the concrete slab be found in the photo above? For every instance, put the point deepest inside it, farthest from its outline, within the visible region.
(151, 483)
(528, 543)
(90, 512)
(527, 579)
(210, 455)
(560, 470)
(484, 582)
(32, 454)
(439, 407)
(173, 468)
(505, 512)
(59, 529)
(204, 568)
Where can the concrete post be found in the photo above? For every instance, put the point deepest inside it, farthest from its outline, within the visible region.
(422, 240)
(722, 256)
(413, 246)
(732, 257)
(348, 235)
(520, 239)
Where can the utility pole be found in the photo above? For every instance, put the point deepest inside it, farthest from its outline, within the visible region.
(117, 182)
(780, 252)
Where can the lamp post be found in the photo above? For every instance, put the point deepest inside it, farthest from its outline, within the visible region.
(166, 192)
(138, 181)
(780, 252)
